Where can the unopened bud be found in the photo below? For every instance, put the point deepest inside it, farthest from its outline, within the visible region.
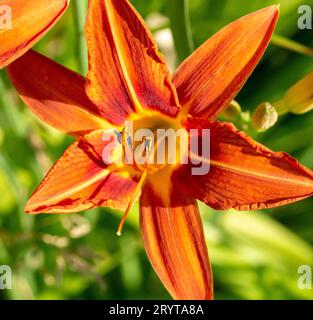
(299, 98)
(264, 117)
(232, 111)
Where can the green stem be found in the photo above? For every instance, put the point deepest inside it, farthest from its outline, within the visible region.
(80, 13)
(181, 27)
(281, 107)
(10, 117)
(291, 45)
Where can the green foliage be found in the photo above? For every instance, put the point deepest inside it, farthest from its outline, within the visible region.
(254, 255)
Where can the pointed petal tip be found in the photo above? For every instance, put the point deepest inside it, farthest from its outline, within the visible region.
(276, 9)
(273, 10)
(30, 208)
(277, 6)
(257, 178)
(55, 94)
(79, 181)
(33, 206)
(229, 57)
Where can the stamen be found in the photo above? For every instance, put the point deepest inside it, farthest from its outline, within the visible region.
(133, 199)
(148, 144)
(127, 144)
(119, 135)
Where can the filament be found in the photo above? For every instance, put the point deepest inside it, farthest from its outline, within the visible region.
(132, 200)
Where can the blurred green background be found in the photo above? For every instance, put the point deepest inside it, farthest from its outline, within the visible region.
(78, 256)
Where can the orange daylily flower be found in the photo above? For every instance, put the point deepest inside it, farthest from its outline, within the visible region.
(128, 80)
(28, 21)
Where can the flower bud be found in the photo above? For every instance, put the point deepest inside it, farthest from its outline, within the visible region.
(299, 98)
(232, 111)
(265, 116)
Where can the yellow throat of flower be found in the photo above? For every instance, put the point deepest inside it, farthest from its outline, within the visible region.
(152, 147)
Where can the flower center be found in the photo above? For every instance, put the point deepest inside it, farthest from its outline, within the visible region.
(151, 144)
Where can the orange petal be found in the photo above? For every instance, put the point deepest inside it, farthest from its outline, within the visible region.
(211, 77)
(55, 94)
(127, 74)
(31, 20)
(244, 174)
(80, 181)
(175, 244)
